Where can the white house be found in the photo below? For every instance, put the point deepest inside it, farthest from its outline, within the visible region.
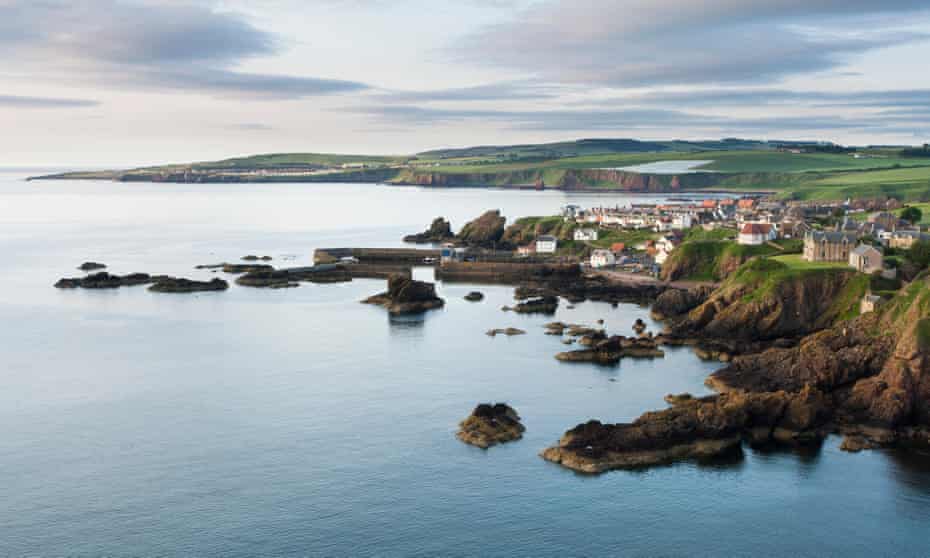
(546, 244)
(682, 221)
(585, 235)
(756, 233)
(602, 258)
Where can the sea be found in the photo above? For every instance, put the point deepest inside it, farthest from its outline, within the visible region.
(299, 422)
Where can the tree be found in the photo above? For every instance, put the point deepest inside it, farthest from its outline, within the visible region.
(912, 214)
(919, 254)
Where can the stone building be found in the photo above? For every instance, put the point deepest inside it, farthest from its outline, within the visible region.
(828, 246)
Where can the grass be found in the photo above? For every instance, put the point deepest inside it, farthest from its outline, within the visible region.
(797, 261)
(698, 234)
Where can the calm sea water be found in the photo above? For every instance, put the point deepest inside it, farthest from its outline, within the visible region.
(299, 422)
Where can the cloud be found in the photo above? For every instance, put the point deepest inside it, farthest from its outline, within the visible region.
(626, 43)
(16, 101)
(610, 120)
(730, 97)
(147, 44)
(501, 91)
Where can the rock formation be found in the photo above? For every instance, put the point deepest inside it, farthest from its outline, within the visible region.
(474, 296)
(182, 285)
(508, 331)
(609, 350)
(693, 429)
(104, 280)
(440, 230)
(485, 231)
(407, 296)
(91, 266)
(254, 258)
(489, 425)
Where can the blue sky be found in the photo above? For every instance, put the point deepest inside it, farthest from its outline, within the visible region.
(120, 82)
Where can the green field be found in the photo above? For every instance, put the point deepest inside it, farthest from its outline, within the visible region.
(797, 262)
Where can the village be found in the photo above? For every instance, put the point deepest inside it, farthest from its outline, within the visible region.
(857, 234)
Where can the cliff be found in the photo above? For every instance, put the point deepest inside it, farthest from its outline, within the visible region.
(767, 300)
(528, 229)
(485, 231)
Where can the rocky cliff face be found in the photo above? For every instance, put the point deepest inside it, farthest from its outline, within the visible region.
(528, 229)
(766, 301)
(440, 230)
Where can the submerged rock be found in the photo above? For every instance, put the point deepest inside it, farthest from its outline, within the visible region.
(509, 331)
(474, 296)
(541, 305)
(91, 266)
(407, 296)
(254, 258)
(246, 268)
(182, 285)
(104, 280)
(489, 425)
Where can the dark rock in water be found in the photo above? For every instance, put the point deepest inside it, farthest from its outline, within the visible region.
(485, 231)
(407, 296)
(509, 331)
(288, 277)
(91, 266)
(541, 305)
(474, 296)
(211, 266)
(104, 280)
(439, 230)
(639, 325)
(609, 350)
(254, 258)
(182, 285)
(246, 268)
(489, 425)
(696, 428)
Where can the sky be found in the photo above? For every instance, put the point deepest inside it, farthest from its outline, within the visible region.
(119, 83)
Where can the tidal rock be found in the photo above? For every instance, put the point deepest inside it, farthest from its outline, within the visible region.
(440, 230)
(182, 285)
(91, 266)
(287, 277)
(246, 268)
(407, 296)
(541, 305)
(254, 258)
(692, 428)
(474, 296)
(509, 331)
(489, 425)
(104, 280)
(639, 325)
(609, 350)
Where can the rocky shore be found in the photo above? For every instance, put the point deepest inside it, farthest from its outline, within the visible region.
(182, 285)
(490, 425)
(105, 280)
(407, 296)
(610, 350)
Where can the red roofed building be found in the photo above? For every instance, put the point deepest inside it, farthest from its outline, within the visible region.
(709, 204)
(617, 247)
(756, 233)
(746, 203)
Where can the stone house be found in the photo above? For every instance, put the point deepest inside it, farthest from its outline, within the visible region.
(866, 259)
(828, 246)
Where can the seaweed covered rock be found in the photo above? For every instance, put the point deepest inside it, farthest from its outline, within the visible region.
(541, 305)
(407, 296)
(489, 425)
(182, 285)
(610, 350)
(440, 230)
(104, 280)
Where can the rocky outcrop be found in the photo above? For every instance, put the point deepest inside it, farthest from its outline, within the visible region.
(766, 301)
(474, 296)
(540, 305)
(245, 268)
(440, 230)
(289, 277)
(254, 258)
(489, 425)
(578, 287)
(693, 428)
(407, 296)
(610, 350)
(485, 231)
(182, 285)
(91, 266)
(675, 302)
(104, 280)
